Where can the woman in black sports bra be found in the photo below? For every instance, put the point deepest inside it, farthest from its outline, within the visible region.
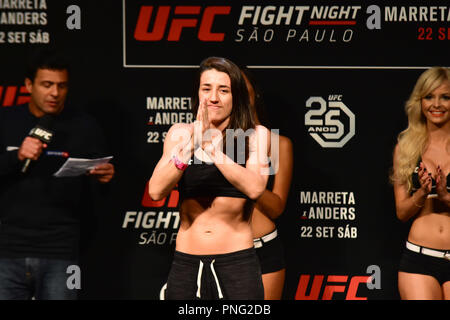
(421, 186)
(215, 257)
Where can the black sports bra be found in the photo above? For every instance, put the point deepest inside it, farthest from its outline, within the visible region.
(416, 183)
(201, 179)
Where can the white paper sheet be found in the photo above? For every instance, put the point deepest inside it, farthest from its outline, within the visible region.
(77, 166)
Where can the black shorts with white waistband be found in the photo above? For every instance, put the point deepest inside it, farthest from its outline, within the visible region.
(270, 254)
(414, 262)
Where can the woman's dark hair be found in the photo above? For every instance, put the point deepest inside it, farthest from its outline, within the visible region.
(260, 107)
(241, 116)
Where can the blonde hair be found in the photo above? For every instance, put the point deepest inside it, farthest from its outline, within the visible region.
(413, 140)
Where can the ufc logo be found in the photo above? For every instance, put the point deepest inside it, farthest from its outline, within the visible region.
(172, 201)
(161, 20)
(41, 134)
(333, 284)
(10, 95)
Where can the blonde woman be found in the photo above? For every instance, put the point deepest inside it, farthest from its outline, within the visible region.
(421, 187)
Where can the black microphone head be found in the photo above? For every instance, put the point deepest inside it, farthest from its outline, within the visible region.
(42, 130)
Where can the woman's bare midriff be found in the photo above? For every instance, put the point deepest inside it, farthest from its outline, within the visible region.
(213, 226)
(431, 228)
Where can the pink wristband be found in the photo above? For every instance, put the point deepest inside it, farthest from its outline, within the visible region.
(179, 164)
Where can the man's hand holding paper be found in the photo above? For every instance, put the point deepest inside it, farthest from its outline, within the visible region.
(100, 168)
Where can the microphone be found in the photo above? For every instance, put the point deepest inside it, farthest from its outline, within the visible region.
(42, 132)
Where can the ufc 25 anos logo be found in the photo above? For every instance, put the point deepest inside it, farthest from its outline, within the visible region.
(176, 19)
(331, 123)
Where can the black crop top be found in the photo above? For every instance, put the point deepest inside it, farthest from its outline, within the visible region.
(201, 179)
(416, 183)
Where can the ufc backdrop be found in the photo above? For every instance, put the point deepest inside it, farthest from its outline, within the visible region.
(335, 77)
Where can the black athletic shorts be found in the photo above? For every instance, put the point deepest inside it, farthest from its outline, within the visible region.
(270, 254)
(231, 276)
(413, 262)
